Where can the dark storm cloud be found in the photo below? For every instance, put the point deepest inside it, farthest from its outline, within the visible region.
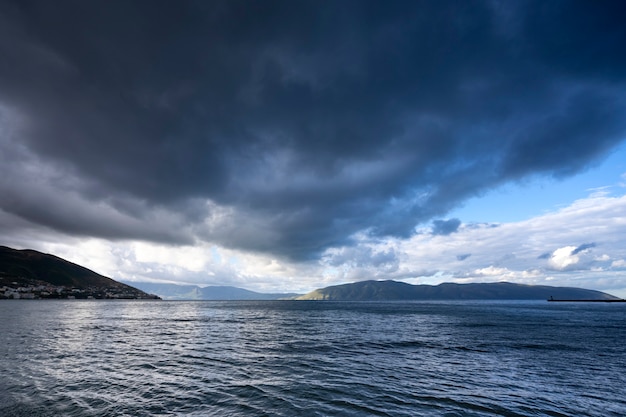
(463, 257)
(583, 247)
(300, 122)
(445, 227)
(364, 257)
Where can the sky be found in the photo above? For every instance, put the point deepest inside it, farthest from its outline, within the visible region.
(288, 146)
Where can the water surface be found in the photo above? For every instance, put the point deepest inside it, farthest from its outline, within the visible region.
(298, 358)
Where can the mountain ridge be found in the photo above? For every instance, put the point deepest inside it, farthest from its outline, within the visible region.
(390, 290)
(210, 293)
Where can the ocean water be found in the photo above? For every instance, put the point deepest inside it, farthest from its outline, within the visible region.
(298, 358)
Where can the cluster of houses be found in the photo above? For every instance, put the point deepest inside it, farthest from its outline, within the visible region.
(35, 292)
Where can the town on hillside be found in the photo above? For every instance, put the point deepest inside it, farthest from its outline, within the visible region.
(13, 287)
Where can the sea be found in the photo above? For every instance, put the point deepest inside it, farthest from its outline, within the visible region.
(311, 358)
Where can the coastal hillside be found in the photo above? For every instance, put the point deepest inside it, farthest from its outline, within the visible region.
(195, 292)
(393, 290)
(30, 274)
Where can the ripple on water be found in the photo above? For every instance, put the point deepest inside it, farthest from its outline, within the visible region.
(310, 359)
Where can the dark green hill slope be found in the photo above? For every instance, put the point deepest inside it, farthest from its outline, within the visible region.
(31, 268)
(393, 290)
(32, 265)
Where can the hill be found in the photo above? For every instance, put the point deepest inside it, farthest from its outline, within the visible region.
(393, 290)
(43, 275)
(194, 292)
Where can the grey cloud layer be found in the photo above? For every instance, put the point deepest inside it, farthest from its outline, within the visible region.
(287, 127)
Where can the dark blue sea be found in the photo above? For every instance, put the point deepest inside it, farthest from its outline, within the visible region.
(299, 358)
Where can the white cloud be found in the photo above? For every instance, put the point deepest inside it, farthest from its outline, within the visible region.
(562, 258)
(618, 264)
(492, 271)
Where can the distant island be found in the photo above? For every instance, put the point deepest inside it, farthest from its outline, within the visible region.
(394, 290)
(214, 292)
(28, 274)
